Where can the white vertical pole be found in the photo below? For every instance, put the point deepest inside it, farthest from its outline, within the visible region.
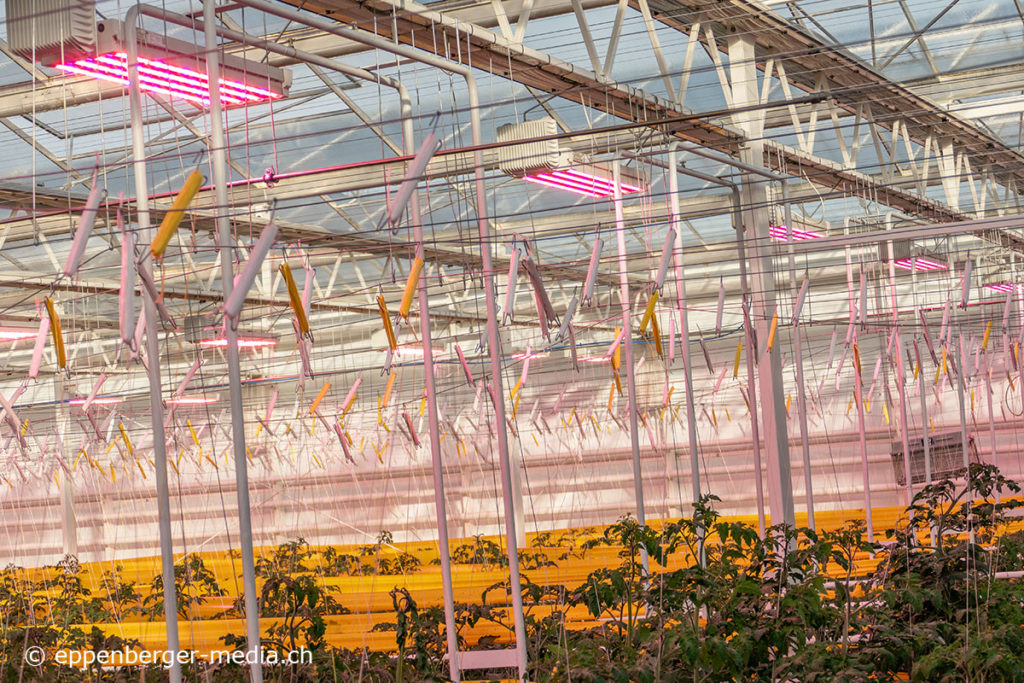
(627, 354)
(218, 162)
(152, 349)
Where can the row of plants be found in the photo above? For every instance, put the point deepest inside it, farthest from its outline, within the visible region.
(791, 606)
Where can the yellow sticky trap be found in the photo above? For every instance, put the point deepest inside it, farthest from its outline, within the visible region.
(649, 312)
(124, 437)
(849, 404)
(984, 340)
(611, 396)
(727, 415)
(736, 364)
(856, 359)
(387, 390)
(771, 332)
(141, 471)
(195, 439)
(58, 336)
(172, 219)
(617, 356)
(885, 413)
(972, 400)
(867, 406)
(618, 382)
(931, 423)
(668, 397)
(423, 405)
(515, 390)
(410, 286)
(714, 418)
(24, 427)
(113, 474)
(312, 425)
(536, 443)
(211, 461)
(295, 299)
(789, 400)
(319, 397)
(318, 463)
(389, 329)
(515, 406)
(656, 333)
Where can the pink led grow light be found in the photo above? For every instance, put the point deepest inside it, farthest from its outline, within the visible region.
(920, 263)
(596, 359)
(167, 79)
(1002, 287)
(15, 335)
(98, 401)
(192, 400)
(243, 343)
(781, 232)
(581, 182)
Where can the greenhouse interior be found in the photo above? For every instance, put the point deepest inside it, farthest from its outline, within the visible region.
(522, 340)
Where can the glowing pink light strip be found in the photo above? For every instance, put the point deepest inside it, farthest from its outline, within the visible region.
(118, 65)
(418, 351)
(780, 232)
(576, 174)
(15, 335)
(534, 354)
(164, 70)
(921, 262)
(1003, 287)
(243, 343)
(168, 79)
(582, 183)
(98, 401)
(192, 400)
(596, 359)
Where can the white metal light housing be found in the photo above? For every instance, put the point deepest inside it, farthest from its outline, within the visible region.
(544, 163)
(910, 257)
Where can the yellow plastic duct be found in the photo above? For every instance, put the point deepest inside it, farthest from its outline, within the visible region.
(172, 219)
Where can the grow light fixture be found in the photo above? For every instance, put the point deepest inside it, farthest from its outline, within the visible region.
(192, 400)
(782, 232)
(13, 334)
(253, 343)
(98, 401)
(177, 69)
(538, 159)
(416, 351)
(589, 180)
(920, 263)
(1002, 287)
(905, 255)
